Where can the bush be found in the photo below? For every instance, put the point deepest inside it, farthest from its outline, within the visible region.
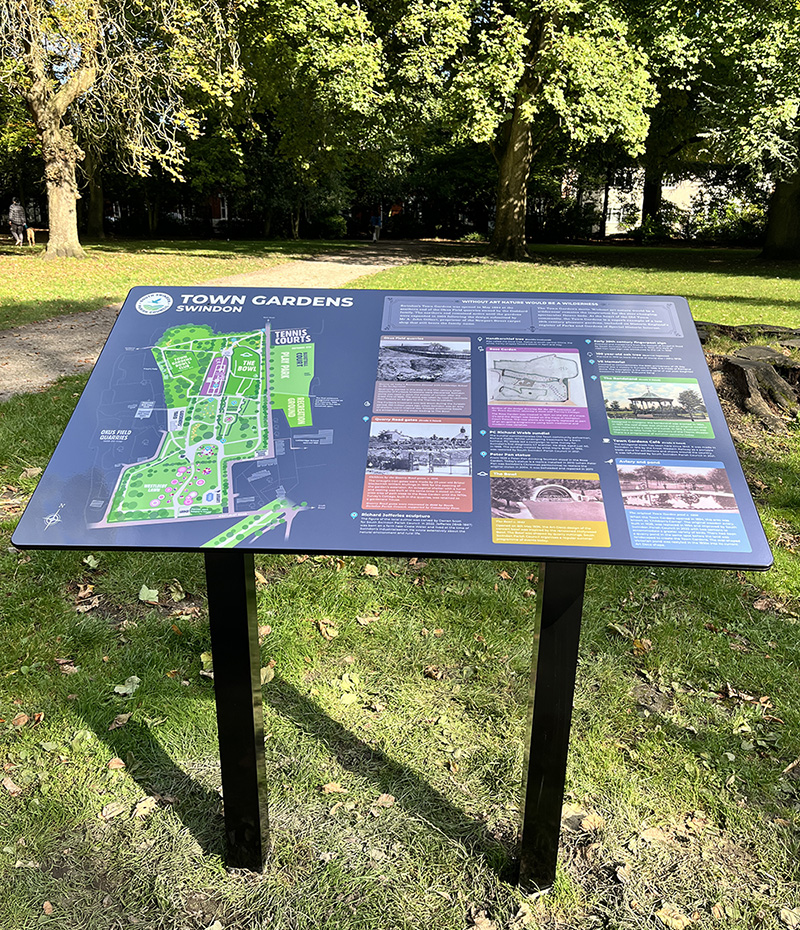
(719, 219)
(333, 226)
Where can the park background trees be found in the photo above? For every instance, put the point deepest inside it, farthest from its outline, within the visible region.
(506, 117)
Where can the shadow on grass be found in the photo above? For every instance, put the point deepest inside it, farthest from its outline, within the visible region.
(199, 807)
(419, 799)
(23, 312)
(686, 259)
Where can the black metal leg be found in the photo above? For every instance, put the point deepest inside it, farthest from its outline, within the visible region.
(230, 576)
(552, 686)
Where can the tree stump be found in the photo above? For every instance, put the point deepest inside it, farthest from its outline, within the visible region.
(759, 379)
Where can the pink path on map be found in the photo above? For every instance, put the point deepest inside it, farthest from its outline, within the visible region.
(215, 377)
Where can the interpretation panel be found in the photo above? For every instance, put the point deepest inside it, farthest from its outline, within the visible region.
(536, 426)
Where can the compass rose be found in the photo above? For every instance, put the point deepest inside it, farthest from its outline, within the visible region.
(53, 518)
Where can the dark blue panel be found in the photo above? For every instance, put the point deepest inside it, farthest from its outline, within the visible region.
(537, 426)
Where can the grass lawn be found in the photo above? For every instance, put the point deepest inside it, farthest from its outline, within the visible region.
(725, 285)
(32, 290)
(394, 721)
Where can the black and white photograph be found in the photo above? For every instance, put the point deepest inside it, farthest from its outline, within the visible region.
(421, 359)
(420, 447)
(547, 497)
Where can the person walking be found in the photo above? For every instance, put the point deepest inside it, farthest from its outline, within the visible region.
(17, 220)
(376, 223)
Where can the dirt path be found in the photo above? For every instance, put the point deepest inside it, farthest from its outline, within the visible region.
(34, 356)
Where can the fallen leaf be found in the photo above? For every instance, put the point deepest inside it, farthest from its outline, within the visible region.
(385, 800)
(505, 576)
(717, 912)
(671, 917)
(268, 672)
(47, 907)
(67, 666)
(13, 789)
(145, 806)
(114, 809)
(327, 629)
(482, 922)
(131, 684)
(371, 570)
(621, 630)
(260, 579)
(658, 836)
(85, 606)
(592, 823)
(523, 918)
(20, 720)
(641, 646)
(176, 591)
(624, 873)
(207, 660)
(91, 561)
(119, 721)
(263, 632)
(365, 621)
(790, 916)
(116, 763)
(433, 671)
(31, 473)
(148, 595)
(333, 787)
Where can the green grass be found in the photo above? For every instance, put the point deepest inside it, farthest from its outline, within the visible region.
(32, 290)
(725, 285)
(687, 713)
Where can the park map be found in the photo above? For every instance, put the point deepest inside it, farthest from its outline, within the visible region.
(220, 391)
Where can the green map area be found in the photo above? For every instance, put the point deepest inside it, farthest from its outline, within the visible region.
(220, 391)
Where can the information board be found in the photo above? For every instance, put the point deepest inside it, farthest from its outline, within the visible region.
(508, 425)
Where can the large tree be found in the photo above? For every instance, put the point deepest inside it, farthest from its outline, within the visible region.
(534, 71)
(119, 68)
(313, 72)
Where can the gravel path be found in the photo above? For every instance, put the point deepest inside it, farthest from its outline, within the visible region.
(34, 356)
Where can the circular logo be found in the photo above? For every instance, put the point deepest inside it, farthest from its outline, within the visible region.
(151, 304)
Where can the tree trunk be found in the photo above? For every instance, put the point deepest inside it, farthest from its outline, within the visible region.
(61, 156)
(508, 239)
(652, 194)
(152, 215)
(94, 179)
(606, 193)
(783, 220)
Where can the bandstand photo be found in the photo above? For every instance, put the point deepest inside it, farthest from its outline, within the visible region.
(658, 399)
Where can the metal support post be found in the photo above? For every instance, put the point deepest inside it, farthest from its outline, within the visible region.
(230, 577)
(552, 684)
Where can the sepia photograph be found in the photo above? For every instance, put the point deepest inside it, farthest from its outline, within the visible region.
(686, 487)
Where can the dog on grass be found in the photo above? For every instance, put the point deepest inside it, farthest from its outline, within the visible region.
(30, 232)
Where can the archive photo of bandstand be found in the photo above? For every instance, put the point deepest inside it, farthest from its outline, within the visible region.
(668, 400)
